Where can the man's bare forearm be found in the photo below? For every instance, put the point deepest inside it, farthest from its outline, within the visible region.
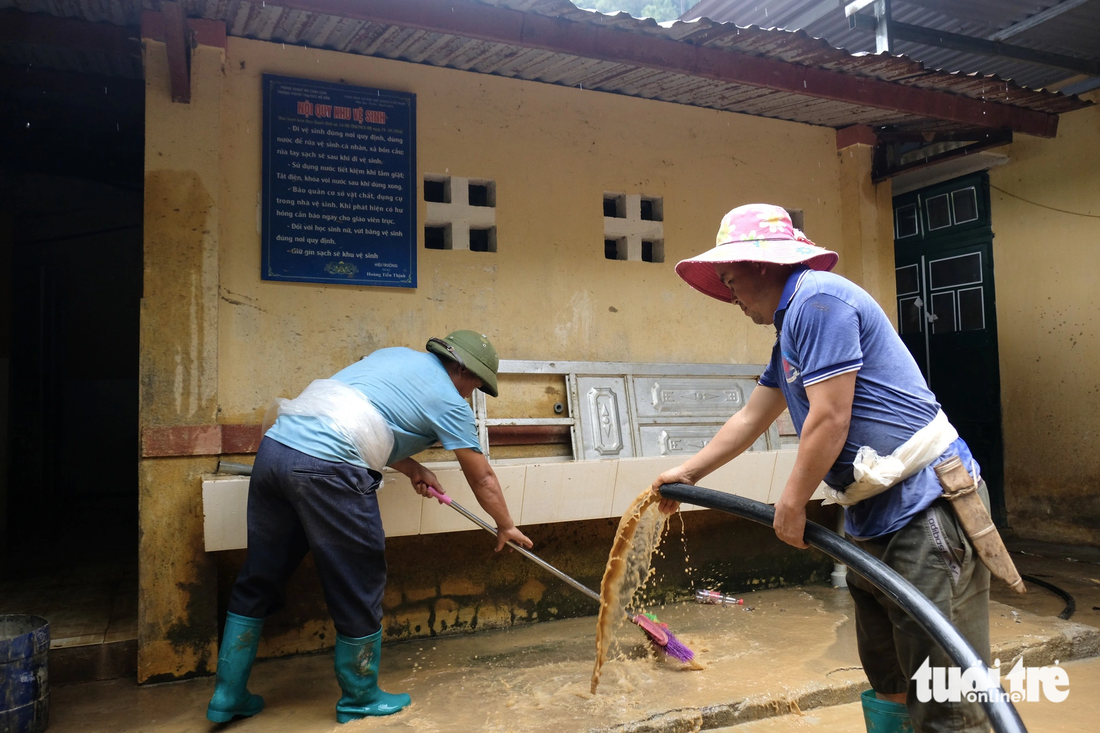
(738, 434)
(733, 439)
(490, 496)
(484, 483)
(407, 466)
(823, 437)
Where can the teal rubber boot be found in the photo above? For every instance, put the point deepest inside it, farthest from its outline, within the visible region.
(357, 672)
(884, 716)
(231, 697)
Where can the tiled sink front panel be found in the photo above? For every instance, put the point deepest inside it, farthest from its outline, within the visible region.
(537, 493)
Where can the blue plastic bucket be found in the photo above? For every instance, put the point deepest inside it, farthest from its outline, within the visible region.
(24, 677)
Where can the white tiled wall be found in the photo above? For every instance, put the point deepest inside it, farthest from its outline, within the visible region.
(562, 492)
(536, 493)
(784, 464)
(634, 476)
(436, 517)
(750, 475)
(400, 505)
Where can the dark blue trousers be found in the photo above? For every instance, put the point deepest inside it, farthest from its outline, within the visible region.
(298, 504)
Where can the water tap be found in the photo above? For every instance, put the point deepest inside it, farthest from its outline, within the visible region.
(713, 596)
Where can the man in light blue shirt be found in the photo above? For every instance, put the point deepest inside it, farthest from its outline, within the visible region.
(313, 490)
(415, 395)
(848, 382)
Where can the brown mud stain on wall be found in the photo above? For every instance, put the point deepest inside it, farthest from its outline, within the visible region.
(1048, 334)
(177, 596)
(192, 632)
(177, 607)
(178, 366)
(1068, 515)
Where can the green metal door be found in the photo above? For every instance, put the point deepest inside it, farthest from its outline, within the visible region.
(946, 312)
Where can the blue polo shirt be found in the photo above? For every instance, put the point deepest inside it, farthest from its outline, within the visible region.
(829, 326)
(415, 395)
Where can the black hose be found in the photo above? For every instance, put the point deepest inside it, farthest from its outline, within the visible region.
(1002, 714)
(1071, 605)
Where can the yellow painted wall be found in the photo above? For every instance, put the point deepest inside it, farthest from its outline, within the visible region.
(547, 292)
(218, 343)
(867, 228)
(1046, 222)
(177, 610)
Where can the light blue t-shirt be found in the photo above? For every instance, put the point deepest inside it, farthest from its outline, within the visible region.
(412, 391)
(828, 326)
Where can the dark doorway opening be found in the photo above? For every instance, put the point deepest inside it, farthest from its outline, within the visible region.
(71, 211)
(947, 317)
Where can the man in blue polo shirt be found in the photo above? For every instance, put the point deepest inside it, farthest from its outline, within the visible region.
(313, 490)
(854, 394)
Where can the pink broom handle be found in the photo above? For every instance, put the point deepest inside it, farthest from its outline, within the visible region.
(444, 499)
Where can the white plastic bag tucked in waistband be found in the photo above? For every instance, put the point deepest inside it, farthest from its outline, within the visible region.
(875, 474)
(347, 411)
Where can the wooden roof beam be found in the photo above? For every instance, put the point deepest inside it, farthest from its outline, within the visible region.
(529, 30)
(179, 34)
(177, 45)
(855, 135)
(881, 168)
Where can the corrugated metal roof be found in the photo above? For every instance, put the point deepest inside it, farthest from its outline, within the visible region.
(268, 21)
(1075, 32)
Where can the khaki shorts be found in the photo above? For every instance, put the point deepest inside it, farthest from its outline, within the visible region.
(933, 553)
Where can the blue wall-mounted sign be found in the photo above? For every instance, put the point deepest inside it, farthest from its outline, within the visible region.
(339, 184)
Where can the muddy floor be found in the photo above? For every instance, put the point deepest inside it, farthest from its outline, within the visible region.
(1076, 714)
(794, 652)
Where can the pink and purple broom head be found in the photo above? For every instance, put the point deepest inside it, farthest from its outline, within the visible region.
(660, 637)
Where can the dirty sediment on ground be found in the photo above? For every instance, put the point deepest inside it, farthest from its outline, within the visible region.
(795, 651)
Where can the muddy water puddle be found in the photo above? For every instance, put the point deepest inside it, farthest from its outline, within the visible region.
(537, 678)
(540, 685)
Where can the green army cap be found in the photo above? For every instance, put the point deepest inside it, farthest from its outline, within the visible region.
(473, 351)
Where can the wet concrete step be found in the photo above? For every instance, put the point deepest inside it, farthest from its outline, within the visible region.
(92, 662)
(1076, 714)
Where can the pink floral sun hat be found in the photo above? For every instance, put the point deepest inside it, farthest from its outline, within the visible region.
(753, 233)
